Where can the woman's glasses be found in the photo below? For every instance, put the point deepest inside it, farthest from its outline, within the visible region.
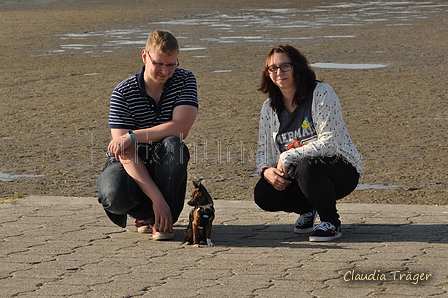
(287, 66)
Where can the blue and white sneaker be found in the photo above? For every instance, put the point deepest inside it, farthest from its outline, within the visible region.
(305, 223)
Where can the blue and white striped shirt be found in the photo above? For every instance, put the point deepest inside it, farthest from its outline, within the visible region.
(132, 108)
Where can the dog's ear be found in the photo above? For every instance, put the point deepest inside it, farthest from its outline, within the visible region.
(205, 193)
(196, 185)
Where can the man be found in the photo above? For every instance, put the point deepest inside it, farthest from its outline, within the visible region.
(150, 115)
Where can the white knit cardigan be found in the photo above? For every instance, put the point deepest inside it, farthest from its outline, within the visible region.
(332, 139)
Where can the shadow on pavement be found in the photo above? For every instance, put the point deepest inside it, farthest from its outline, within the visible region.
(283, 235)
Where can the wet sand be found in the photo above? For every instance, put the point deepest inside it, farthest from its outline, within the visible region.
(60, 63)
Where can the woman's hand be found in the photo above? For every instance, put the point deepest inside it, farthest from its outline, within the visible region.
(282, 168)
(277, 178)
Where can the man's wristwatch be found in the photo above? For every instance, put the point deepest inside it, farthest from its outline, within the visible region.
(131, 136)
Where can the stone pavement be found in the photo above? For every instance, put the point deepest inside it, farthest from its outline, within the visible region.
(66, 247)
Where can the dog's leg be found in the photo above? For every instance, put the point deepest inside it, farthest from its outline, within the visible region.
(209, 242)
(196, 232)
(188, 236)
(208, 233)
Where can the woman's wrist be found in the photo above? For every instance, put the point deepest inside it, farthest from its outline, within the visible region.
(262, 170)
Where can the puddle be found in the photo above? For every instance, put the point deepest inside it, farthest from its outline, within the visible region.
(347, 65)
(142, 43)
(339, 36)
(224, 70)
(435, 118)
(5, 138)
(375, 186)
(192, 48)
(224, 27)
(244, 38)
(75, 46)
(10, 177)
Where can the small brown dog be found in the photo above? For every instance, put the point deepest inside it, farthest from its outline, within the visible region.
(201, 217)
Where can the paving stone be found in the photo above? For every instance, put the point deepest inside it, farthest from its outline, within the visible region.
(66, 247)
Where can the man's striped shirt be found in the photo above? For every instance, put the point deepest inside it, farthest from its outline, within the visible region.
(132, 108)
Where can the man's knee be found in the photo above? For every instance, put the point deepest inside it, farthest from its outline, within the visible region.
(172, 150)
(110, 197)
(172, 141)
(114, 189)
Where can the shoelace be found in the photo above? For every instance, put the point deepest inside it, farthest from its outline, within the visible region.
(325, 226)
(305, 218)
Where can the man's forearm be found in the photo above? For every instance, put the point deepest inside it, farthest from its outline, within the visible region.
(159, 132)
(137, 170)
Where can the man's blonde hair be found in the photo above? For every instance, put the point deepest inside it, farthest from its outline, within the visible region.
(162, 41)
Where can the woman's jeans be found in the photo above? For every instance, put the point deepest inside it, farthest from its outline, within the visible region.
(120, 195)
(318, 182)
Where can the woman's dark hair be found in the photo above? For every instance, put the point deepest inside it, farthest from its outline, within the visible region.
(304, 77)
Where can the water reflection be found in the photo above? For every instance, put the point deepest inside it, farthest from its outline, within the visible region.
(261, 25)
(10, 177)
(347, 65)
(375, 186)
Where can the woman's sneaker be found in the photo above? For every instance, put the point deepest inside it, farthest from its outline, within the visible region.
(156, 235)
(305, 223)
(325, 231)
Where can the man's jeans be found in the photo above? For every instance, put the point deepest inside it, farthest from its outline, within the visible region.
(120, 195)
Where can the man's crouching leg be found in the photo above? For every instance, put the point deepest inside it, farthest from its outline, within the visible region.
(118, 193)
(169, 171)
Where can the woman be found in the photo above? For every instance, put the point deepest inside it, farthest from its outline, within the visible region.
(305, 155)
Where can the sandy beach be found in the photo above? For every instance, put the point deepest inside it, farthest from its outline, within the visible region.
(387, 62)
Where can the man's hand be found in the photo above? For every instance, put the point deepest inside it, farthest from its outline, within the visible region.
(163, 218)
(118, 145)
